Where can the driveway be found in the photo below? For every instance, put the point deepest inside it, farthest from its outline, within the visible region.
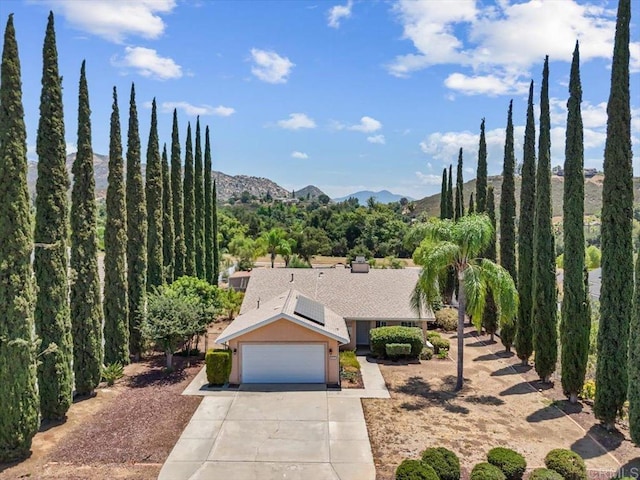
(273, 433)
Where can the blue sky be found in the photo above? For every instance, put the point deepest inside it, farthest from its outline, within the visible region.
(346, 95)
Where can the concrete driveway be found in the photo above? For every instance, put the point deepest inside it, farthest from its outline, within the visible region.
(273, 433)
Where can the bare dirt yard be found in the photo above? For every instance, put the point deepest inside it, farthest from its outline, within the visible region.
(500, 405)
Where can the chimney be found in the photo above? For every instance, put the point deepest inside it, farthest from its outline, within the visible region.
(359, 265)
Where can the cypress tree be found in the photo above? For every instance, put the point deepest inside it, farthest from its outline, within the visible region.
(18, 377)
(508, 202)
(176, 193)
(524, 328)
(574, 325)
(490, 314)
(616, 296)
(136, 232)
(189, 209)
(52, 316)
(198, 193)
(634, 362)
(450, 210)
(168, 235)
(86, 306)
(443, 195)
(544, 316)
(115, 306)
(208, 212)
(153, 185)
(459, 204)
(481, 175)
(216, 247)
(472, 205)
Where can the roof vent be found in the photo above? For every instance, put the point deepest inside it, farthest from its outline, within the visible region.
(359, 265)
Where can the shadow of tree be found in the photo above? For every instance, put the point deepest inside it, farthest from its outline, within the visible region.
(630, 469)
(547, 413)
(493, 356)
(156, 376)
(484, 400)
(588, 447)
(521, 388)
(427, 396)
(511, 370)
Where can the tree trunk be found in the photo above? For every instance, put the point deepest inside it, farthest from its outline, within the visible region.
(573, 398)
(273, 258)
(491, 337)
(169, 355)
(461, 308)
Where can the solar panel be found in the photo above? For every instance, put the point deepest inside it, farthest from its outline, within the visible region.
(310, 309)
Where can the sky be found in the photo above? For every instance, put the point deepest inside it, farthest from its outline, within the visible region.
(346, 95)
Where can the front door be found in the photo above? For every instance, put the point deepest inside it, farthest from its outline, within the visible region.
(362, 333)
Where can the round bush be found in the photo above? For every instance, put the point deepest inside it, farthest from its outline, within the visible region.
(486, 471)
(544, 474)
(447, 319)
(443, 461)
(426, 354)
(512, 464)
(440, 344)
(415, 470)
(567, 463)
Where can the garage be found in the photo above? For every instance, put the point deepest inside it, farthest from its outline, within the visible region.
(283, 363)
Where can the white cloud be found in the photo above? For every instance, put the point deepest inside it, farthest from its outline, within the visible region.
(116, 20)
(338, 12)
(194, 110)
(491, 84)
(270, 67)
(296, 121)
(379, 139)
(222, 111)
(429, 179)
(148, 63)
(300, 155)
(71, 148)
(366, 125)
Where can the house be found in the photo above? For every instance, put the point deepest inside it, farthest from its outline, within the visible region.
(239, 280)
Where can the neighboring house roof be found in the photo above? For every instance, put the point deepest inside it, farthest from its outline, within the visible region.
(285, 305)
(376, 295)
(240, 274)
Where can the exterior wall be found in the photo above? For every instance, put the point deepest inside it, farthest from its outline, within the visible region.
(352, 327)
(284, 331)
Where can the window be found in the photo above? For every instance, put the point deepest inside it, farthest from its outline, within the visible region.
(380, 324)
(409, 324)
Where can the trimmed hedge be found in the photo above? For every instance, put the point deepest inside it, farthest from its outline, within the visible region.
(439, 344)
(486, 471)
(433, 334)
(447, 319)
(415, 470)
(567, 463)
(382, 336)
(218, 364)
(426, 354)
(545, 474)
(512, 464)
(443, 461)
(396, 350)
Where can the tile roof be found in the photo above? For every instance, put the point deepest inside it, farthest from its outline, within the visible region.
(376, 295)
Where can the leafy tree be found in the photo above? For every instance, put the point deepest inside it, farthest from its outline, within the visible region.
(153, 185)
(136, 232)
(481, 175)
(272, 241)
(490, 314)
(115, 306)
(458, 244)
(216, 246)
(231, 302)
(168, 233)
(176, 193)
(20, 403)
(246, 250)
(208, 211)
(593, 257)
(444, 196)
(310, 242)
(508, 202)
(616, 295)
(472, 205)
(459, 208)
(52, 316)
(544, 313)
(189, 209)
(575, 324)
(634, 362)
(524, 327)
(198, 192)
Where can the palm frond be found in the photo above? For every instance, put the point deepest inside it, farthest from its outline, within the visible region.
(434, 257)
(473, 233)
(475, 291)
(504, 290)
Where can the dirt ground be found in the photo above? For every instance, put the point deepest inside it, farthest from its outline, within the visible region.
(498, 406)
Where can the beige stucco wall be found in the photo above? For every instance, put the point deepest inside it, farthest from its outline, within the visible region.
(285, 331)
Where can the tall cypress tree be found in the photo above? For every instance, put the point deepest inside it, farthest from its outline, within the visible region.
(198, 193)
(450, 210)
(481, 175)
(52, 316)
(176, 193)
(19, 393)
(153, 185)
(86, 306)
(544, 316)
(168, 235)
(508, 202)
(616, 296)
(216, 247)
(524, 328)
(115, 306)
(136, 232)
(472, 205)
(574, 325)
(443, 195)
(189, 209)
(208, 210)
(634, 362)
(490, 314)
(459, 204)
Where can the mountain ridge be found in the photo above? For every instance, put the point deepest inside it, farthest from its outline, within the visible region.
(382, 196)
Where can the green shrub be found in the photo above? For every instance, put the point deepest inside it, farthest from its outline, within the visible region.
(415, 470)
(397, 350)
(512, 464)
(443, 354)
(443, 461)
(544, 474)
(382, 336)
(348, 359)
(218, 366)
(589, 390)
(112, 372)
(447, 319)
(440, 344)
(567, 463)
(433, 334)
(486, 471)
(426, 353)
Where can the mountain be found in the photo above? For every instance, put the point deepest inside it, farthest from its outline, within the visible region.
(592, 195)
(227, 185)
(383, 196)
(311, 190)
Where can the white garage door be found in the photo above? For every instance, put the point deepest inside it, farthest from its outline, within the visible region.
(278, 363)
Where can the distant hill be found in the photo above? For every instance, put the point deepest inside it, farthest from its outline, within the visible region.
(592, 195)
(311, 190)
(383, 196)
(227, 185)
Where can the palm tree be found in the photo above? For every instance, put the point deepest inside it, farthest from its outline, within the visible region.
(457, 245)
(272, 241)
